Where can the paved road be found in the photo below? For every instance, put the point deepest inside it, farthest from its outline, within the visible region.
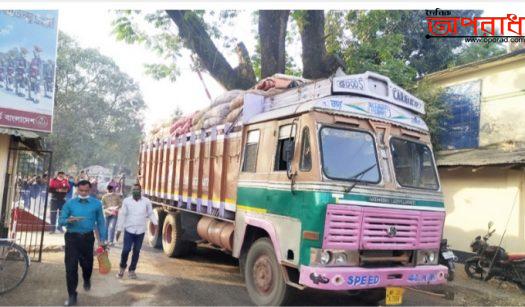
(207, 278)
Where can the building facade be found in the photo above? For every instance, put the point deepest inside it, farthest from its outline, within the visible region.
(482, 160)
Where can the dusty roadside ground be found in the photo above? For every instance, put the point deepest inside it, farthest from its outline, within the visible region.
(211, 278)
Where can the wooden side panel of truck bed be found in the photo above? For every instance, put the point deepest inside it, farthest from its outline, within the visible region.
(197, 171)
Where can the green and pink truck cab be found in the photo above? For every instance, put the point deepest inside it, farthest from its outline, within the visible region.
(330, 185)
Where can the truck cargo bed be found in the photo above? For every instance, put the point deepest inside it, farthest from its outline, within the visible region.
(197, 171)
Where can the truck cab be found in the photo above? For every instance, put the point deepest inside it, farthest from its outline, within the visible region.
(341, 179)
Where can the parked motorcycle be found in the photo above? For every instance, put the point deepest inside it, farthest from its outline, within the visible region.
(494, 262)
(447, 258)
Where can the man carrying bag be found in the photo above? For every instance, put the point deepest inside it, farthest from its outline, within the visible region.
(80, 216)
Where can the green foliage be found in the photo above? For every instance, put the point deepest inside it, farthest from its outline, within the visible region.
(98, 110)
(435, 107)
(156, 31)
(477, 51)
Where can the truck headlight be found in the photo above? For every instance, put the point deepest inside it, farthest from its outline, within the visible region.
(425, 257)
(326, 256)
(340, 259)
(332, 257)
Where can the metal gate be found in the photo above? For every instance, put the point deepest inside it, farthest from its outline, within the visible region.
(26, 199)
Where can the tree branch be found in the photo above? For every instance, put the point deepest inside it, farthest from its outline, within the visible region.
(193, 33)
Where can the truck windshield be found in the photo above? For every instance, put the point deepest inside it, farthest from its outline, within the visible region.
(346, 153)
(413, 164)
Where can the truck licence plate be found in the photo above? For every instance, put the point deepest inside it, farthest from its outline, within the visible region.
(394, 296)
(448, 255)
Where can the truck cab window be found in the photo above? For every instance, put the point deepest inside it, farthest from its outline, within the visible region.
(413, 164)
(306, 153)
(286, 135)
(250, 151)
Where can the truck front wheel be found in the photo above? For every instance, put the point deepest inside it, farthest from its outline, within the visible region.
(263, 275)
(172, 242)
(155, 231)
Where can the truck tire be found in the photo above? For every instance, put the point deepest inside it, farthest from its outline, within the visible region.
(154, 232)
(172, 242)
(264, 276)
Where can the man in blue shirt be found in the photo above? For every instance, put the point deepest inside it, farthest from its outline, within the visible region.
(80, 216)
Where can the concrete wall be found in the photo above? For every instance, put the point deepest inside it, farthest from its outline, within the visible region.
(472, 199)
(502, 96)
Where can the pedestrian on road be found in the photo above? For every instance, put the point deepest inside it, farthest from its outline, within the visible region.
(58, 188)
(81, 215)
(132, 220)
(72, 185)
(112, 203)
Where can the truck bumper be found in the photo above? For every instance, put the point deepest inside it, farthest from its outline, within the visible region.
(355, 278)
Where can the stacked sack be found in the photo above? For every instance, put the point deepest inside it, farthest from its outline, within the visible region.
(181, 125)
(226, 108)
(235, 108)
(218, 112)
(159, 131)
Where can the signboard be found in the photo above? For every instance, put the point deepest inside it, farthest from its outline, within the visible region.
(28, 47)
(378, 86)
(373, 109)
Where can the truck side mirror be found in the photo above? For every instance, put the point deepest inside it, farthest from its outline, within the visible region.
(288, 151)
(491, 224)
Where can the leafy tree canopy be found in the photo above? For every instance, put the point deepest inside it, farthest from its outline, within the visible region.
(98, 110)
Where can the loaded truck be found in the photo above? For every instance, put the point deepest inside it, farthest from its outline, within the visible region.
(329, 185)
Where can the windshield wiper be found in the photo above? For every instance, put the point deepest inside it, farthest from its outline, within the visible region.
(358, 176)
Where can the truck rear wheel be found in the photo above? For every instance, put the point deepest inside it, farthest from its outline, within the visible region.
(172, 242)
(263, 275)
(155, 231)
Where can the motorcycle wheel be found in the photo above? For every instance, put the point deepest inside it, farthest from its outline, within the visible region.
(477, 268)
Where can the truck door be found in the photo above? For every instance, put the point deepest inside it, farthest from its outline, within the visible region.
(281, 198)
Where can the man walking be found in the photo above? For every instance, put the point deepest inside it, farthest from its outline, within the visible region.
(81, 215)
(132, 220)
(58, 188)
(111, 202)
(71, 191)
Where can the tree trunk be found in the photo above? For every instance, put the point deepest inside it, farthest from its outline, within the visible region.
(316, 63)
(195, 37)
(272, 35)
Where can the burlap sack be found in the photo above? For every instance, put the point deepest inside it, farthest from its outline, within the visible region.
(226, 97)
(232, 116)
(212, 121)
(237, 102)
(219, 111)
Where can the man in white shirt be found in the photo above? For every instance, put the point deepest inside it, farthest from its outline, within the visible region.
(132, 220)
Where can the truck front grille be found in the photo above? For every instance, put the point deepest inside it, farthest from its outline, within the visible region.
(354, 227)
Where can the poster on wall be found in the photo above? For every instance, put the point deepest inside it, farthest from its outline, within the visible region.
(28, 50)
(460, 129)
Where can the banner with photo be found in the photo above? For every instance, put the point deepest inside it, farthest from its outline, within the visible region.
(28, 50)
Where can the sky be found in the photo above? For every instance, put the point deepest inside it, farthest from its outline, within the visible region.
(161, 96)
